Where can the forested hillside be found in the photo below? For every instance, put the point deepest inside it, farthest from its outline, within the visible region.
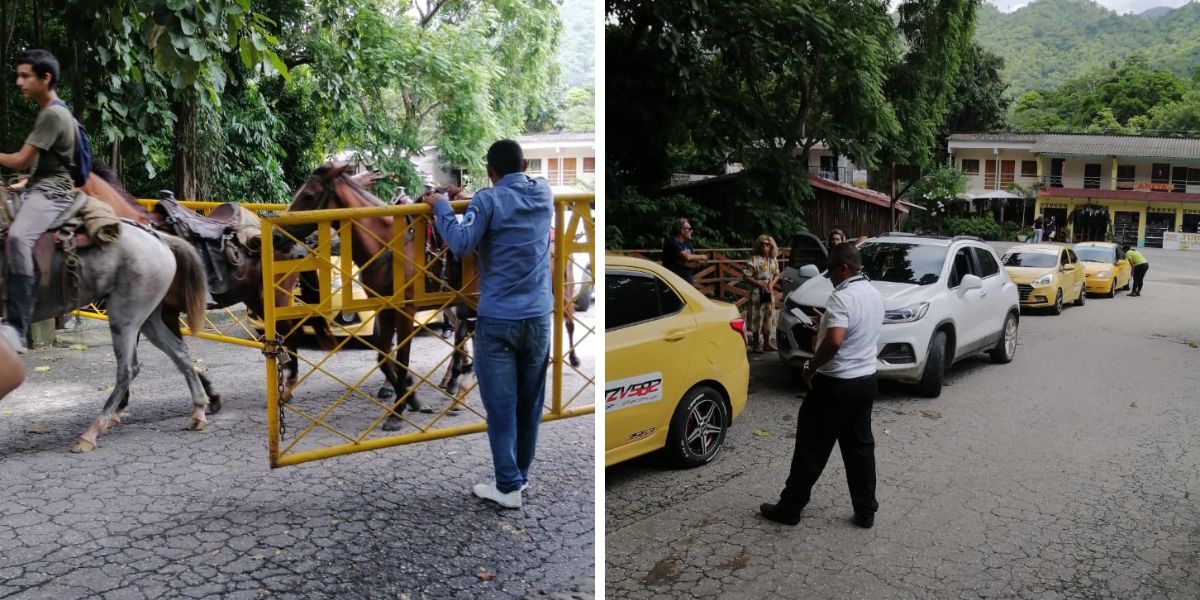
(1050, 41)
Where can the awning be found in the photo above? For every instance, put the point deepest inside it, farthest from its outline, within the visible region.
(988, 194)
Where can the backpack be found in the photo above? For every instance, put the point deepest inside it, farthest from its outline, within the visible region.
(81, 163)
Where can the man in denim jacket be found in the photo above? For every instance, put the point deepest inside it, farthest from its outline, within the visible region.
(509, 223)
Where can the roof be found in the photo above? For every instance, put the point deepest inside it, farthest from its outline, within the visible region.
(857, 193)
(1130, 146)
(996, 137)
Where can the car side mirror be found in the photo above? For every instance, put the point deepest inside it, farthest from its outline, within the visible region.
(809, 271)
(971, 282)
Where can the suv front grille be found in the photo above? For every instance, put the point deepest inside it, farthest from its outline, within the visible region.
(803, 334)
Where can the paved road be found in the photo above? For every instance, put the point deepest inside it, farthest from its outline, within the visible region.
(1069, 473)
(161, 512)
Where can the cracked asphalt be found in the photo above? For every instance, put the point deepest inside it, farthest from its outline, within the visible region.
(157, 511)
(1069, 473)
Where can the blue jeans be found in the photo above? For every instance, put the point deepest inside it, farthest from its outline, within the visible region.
(510, 364)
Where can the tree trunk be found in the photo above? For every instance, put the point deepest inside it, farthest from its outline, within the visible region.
(77, 76)
(183, 163)
(39, 26)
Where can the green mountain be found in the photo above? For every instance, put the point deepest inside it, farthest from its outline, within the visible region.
(1049, 41)
(576, 47)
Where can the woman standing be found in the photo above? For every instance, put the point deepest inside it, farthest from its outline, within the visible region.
(763, 273)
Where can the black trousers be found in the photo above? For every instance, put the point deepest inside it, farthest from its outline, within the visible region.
(1139, 274)
(836, 410)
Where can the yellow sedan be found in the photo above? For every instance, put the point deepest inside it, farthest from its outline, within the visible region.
(1047, 275)
(1106, 266)
(676, 365)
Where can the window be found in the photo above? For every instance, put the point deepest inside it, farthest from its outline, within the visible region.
(1125, 176)
(636, 298)
(1029, 168)
(535, 166)
(1071, 256)
(589, 164)
(918, 264)
(970, 166)
(1193, 177)
(1091, 176)
(1062, 259)
(963, 266)
(987, 262)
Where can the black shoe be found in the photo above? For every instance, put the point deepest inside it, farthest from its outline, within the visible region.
(864, 520)
(772, 512)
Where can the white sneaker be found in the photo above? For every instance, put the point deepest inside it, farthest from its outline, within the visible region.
(523, 486)
(10, 334)
(488, 491)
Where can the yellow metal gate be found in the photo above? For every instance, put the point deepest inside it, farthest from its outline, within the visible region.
(328, 412)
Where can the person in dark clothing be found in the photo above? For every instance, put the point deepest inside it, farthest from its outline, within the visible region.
(841, 378)
(678, 254)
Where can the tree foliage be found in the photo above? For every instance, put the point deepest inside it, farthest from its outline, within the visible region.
(761, 83)
(240, 99)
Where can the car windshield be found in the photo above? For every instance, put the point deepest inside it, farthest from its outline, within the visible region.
(1095, 254)
(1030, 259)
(902, 263)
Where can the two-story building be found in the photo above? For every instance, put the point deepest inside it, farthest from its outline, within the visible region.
(1148, 186)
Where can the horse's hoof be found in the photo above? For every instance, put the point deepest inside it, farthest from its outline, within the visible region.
(575, 362)
(197, 425)
(385, 393)
(414, 406)
(215, 404)
(392, 425)
(113, 422)
(83, 446)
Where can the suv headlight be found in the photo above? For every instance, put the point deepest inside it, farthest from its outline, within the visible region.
(1043, 280)
(908, 314)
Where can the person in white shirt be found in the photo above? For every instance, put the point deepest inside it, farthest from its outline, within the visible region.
(842, 386)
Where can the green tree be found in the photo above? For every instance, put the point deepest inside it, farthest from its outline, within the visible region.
(979, 101)
(934, 193)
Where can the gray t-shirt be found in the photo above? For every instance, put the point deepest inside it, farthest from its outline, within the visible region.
(54, 136)
(858, 307)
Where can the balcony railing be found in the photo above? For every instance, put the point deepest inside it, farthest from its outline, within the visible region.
(1180, 186)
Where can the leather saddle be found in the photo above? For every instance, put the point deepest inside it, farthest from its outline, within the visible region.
(215, 236)
(56, 250)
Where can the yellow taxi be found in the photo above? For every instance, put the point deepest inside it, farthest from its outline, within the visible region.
(1047, 275)
(676, 365)
(1107, 269)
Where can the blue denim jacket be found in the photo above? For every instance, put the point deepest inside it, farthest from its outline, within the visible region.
(510, 225)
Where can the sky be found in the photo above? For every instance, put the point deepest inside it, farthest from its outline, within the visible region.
(1121, 6)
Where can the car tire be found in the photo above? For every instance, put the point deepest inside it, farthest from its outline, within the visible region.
(698, 428)
(1006, 347)
(930, 384)
(1058, 303)
(1082, 299)
(1112, 289)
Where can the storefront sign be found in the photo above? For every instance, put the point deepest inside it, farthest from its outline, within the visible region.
(858, 178)
(1181, 241)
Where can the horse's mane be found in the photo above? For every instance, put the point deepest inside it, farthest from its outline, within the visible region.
(109, 177)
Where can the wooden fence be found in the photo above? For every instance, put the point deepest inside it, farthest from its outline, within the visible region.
(722, 277)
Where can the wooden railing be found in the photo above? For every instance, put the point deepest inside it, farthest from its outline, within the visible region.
(722, 277)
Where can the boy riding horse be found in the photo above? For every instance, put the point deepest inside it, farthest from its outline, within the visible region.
(49, 191)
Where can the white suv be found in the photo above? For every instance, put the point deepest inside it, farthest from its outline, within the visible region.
(945, 299)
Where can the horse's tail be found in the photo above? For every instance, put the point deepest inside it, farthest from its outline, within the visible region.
(190, 282)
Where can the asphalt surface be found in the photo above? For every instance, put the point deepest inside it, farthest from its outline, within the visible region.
(1068, 473)
(157, 511)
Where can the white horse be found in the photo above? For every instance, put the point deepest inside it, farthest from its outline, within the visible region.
(133, 275)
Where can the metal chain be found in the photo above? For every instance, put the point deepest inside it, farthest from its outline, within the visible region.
(275, 349)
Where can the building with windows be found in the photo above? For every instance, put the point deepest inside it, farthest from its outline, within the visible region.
(568, 160)
(1149, 187)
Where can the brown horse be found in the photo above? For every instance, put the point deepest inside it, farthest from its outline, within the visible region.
(330, 187)
(246, 290)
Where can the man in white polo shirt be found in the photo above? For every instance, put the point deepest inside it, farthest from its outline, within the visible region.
(842, 384)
